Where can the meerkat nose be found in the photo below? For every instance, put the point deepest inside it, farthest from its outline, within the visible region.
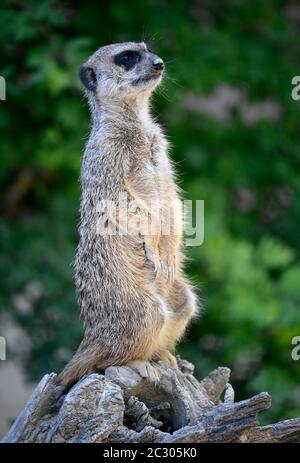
(158, 64)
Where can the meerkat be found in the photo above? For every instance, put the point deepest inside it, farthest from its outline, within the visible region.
(134, 298)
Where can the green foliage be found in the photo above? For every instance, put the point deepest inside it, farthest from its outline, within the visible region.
(248, 268)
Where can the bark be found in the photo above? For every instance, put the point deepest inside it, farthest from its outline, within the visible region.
(122, 406)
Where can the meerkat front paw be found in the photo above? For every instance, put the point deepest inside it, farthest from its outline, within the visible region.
(146, 370)
(153, 258)
(168, 266)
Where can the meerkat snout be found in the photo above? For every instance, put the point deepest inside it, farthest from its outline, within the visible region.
(158, 64)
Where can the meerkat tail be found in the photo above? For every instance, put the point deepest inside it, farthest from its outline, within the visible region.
(83, 363)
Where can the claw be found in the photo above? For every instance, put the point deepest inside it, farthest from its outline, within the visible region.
(172, 273)
(169, 270)
(157, 271)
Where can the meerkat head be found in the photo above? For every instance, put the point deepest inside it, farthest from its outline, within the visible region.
(121, 70)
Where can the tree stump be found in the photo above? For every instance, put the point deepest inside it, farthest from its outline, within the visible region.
(121, 406)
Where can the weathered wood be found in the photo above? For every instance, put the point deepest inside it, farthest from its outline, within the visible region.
(122, 406)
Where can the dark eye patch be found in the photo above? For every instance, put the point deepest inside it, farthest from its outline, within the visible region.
(128, 59)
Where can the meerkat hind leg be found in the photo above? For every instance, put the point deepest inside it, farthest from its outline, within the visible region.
(166, 357)
(183, 303)
(145, 369)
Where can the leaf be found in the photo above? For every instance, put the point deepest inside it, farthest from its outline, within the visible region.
(274, 254)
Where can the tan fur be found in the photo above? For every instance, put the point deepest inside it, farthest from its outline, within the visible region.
(132, 292)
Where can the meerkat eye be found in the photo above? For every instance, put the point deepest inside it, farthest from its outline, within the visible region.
(128, 59)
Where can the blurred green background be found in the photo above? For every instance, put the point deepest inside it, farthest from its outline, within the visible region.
(226, 106)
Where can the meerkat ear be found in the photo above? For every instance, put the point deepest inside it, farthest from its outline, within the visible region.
(88, 77)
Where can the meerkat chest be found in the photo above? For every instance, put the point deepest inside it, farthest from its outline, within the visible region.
(153, 161)
(158, 148)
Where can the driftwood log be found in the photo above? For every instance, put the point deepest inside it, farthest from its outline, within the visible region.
(121, 406)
